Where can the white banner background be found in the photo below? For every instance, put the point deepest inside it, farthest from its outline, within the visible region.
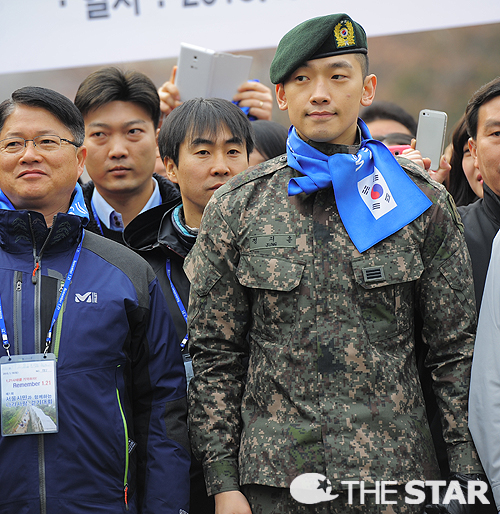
(48, 34)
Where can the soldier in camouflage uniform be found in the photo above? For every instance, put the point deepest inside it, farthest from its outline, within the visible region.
(329, 331)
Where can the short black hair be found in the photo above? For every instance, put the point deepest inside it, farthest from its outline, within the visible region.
(365, 63)
(479, 98)
(53, 102)
(270, 138)
(389, 111)
(200, 117)
(112, 84)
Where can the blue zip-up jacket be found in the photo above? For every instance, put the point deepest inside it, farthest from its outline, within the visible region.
(122, 444)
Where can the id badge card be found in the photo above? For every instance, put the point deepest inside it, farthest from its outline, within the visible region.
(28, 394)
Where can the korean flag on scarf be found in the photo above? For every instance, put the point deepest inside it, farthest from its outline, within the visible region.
(374, 195)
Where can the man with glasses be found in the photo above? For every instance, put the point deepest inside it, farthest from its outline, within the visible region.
(92, 384)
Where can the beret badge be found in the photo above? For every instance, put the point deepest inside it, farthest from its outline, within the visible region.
(344, 34)
(324, 36)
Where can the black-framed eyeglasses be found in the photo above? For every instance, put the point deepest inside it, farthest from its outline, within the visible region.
(44, 143)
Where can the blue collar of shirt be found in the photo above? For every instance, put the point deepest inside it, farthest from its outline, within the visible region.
(112, 219)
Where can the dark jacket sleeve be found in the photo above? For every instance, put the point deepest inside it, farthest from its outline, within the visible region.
(160, 412)
(446, 302)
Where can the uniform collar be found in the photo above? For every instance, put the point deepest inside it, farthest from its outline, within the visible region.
(332, 149)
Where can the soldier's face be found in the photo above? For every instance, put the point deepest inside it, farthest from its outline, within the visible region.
(323, 98)
(206, 162)
(485, 148)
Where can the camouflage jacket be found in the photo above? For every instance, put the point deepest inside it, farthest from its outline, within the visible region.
(332, 385)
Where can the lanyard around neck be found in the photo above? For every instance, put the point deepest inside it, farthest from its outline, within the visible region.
(60, 301)
(96, 217)
(178, 300)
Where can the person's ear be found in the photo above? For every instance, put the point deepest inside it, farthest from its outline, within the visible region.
(281, 97)
(369, 87)
(171, 170)
(473, 151)
(81, 155)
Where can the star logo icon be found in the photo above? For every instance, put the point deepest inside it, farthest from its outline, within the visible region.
(323, 484)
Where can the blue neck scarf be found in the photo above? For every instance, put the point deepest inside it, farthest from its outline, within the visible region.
(77, 207)
(375, 197)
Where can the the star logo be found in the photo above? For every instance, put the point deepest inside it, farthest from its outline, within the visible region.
(311, 488)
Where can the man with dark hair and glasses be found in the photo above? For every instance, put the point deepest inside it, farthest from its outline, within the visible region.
(92, 407)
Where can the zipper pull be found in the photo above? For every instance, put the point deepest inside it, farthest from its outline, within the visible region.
(125, 492)
(37, 267)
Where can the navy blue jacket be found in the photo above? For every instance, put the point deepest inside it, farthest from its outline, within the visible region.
(122, 440)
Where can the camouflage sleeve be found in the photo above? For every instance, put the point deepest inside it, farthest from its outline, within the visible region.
(447, 306)
(217, 326)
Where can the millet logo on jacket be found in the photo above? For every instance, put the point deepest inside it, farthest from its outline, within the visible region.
(89, 297)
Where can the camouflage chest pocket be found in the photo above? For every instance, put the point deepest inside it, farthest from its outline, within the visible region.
(273, 283)
(385, 286)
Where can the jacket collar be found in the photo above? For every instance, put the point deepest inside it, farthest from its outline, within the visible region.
(491, 203)
(142, 232)
(23, 230)
(168, 192)
(155, 228)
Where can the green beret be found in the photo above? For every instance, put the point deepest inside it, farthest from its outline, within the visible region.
(314, 39)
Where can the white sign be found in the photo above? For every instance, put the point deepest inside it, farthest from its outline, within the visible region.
(48, 34)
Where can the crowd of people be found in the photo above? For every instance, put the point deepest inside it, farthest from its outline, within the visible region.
(233, 304)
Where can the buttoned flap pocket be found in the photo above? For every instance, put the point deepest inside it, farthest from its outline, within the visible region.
(273, 285)
(385, 284)
(388, 268)
(272, 273)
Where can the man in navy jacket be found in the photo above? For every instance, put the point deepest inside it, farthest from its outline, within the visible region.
(121, 443)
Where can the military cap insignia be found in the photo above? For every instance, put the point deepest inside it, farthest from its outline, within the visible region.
(344, 34)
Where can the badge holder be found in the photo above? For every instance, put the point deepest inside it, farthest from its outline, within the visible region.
(28, 393)
(28, 389)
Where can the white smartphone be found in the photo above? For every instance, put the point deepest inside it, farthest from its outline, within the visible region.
(431, 132)
(202, 72)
